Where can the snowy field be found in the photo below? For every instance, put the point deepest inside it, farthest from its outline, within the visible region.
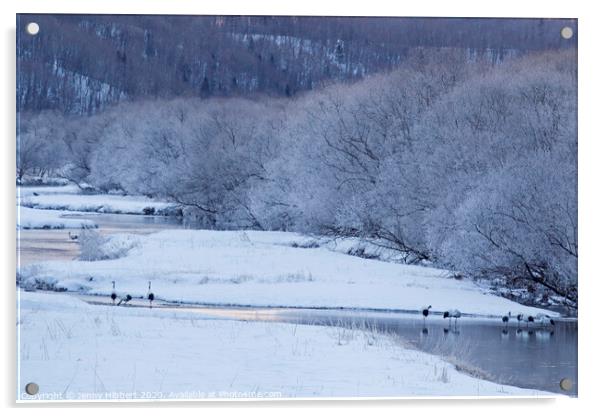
(30, 218)
(77, 351)
(263, 269)
(69, 198)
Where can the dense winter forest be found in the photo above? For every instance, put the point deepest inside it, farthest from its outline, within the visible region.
(79, 64)
(455, 148)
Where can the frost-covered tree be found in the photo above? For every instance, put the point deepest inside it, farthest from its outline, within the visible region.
(503, 175)
(39, 147)
(520, 224)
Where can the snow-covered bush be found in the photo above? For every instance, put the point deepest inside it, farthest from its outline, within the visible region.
(91, 245)
(95, 246)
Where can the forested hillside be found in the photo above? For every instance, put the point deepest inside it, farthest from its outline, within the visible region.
(78, 64)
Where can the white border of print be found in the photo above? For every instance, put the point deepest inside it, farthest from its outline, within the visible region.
(589, 171)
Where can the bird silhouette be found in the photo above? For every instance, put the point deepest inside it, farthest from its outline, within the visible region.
(425, 311)
(506, 319)
(124, 300)
(452, 313)
(113, 293)
(150, 296)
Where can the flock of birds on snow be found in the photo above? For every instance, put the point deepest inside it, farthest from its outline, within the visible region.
(540, 318)
(127, 297)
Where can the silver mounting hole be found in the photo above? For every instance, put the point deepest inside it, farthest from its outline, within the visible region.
(566, 384)
(566, 32)
(32, 389)
(32, 28)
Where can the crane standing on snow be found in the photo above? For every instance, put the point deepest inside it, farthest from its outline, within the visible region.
(150, 295)
(113, 293)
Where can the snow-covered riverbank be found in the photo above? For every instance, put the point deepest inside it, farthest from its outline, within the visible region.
(69, 198)
(76, 351)
(264, 269)
(30, 218)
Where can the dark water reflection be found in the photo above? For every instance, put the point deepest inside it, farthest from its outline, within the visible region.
(531, 357)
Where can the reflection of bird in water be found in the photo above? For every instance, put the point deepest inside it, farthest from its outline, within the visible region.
(450, 330)
(520, 318)
(543, 335)
(524, 334)
(425, 331)
(505, 333)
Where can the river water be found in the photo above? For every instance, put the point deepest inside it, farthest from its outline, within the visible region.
(535, 357)
(41, 245)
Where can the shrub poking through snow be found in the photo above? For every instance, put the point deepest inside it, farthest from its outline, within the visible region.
(90, 243)
(95, 246)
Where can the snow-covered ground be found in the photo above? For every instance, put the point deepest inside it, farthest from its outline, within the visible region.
(69, 198)
(77, 351)
(265, 269)
(30, 218)
(80, 352)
